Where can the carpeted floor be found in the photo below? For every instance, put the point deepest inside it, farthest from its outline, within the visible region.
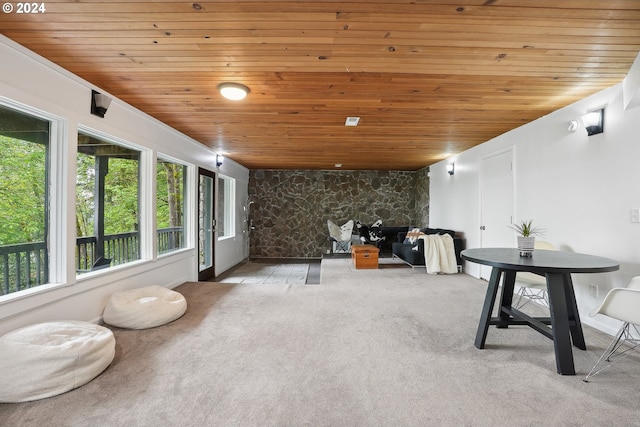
(386, 347)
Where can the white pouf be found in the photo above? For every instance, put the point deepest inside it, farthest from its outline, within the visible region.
(144, 308)
(47, 359)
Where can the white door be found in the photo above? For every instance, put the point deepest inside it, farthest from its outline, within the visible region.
(496, 204)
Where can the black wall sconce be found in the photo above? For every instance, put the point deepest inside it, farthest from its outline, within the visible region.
(451, 168)
(219, 160)
(594, 122)
(99, 103)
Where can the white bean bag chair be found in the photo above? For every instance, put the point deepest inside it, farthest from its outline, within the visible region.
(47, 359)
(144, 308)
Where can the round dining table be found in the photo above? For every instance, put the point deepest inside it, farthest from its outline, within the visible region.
(563, 326)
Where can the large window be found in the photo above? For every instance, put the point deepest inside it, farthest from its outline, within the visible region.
(226, 207)
(24, 147)
(107, 207)
(170, 184)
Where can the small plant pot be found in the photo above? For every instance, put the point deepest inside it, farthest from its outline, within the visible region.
(526, 245)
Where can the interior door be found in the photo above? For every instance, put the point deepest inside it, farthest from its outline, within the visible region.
(497, 201)
(206, 224)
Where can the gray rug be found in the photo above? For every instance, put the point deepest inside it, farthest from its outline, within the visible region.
(386, 347)
(267, 273)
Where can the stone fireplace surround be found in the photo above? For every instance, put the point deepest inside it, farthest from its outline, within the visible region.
(290, 209)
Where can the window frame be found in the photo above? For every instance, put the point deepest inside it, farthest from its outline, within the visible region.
(186, 212)
(146, 199)
(56, 198)
(227, 212)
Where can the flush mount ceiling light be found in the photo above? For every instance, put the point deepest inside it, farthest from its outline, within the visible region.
(233, 91)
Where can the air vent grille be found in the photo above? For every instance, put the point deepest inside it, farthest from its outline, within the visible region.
(352, 121)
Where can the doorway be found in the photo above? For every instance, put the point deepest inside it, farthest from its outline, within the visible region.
(496, 211)
(206, 224)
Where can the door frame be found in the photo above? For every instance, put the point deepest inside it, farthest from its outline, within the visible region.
(208, 272)
(489, 211)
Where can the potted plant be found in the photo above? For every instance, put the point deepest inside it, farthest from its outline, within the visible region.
(527, 236)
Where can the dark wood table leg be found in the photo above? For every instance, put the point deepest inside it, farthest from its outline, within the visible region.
(508, 283)
(487, 308)
(560, 323)
(575, 325)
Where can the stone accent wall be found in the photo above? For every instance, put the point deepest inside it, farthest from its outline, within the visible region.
(291, 208)
(422, 196)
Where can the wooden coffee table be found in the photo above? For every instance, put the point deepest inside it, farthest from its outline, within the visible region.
(364, 256)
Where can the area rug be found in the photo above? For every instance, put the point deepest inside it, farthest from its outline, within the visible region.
(268, 273)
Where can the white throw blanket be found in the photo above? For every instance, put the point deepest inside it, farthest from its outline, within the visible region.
(439, 254)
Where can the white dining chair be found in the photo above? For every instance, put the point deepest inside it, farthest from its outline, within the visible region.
(533, 287)
(622, 304)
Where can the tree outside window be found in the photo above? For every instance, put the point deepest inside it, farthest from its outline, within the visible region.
(107, 204)
(24, 146)
(170, 187)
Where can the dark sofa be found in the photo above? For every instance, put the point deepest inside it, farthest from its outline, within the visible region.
(389, 235)
(406, 252)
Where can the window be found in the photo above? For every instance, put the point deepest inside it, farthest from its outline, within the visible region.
(24, 171)
(226, 207)
(107, 204)
(170, 184)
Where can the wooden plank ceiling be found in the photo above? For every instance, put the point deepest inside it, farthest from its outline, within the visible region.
(427, 78)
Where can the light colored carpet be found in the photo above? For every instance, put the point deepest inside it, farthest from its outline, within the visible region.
(387, 347)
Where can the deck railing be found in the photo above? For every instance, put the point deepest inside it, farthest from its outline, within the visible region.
(26, 265)
(23, 266)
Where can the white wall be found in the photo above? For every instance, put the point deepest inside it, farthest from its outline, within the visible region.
(230, 251)
(580, 188)
(31, 81)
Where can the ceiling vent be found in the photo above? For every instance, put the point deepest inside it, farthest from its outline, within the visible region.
(352, 121)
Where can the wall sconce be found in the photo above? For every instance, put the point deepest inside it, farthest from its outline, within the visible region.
(451, 168)
(219, 160)
(99, 103)
(233, 91)
(594, 122)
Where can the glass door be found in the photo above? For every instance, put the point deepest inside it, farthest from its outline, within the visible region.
(206, 224)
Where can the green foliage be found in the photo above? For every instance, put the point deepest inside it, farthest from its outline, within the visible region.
(22, 191)
(85, 183)
(526, 229)
(121, 209)
(121, 212)
(169, 194)
(23, 187)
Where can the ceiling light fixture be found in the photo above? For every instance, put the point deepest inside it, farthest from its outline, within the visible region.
(233, 91)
